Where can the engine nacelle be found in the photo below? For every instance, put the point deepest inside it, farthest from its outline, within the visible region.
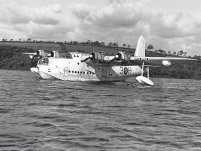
(96, 56)
(109, 58)
(53, 54)
(166, 63)
(40, 53)
(31, 56)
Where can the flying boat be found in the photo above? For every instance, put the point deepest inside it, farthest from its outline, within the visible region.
(95, 66)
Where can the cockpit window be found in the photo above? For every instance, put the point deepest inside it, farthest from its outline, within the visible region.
(66, 55)
(43, 61)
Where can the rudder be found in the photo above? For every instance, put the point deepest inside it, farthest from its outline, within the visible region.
(140, 49)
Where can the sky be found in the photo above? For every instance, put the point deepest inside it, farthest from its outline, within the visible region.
(166, 24)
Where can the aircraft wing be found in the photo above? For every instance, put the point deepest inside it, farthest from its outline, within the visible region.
(138, 58)
(40, 53)
(29, 53)
(165, 61)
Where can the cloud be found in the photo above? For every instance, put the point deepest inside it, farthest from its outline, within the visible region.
(115, 15)
(136, 15)
(121, 21)
(22, 15)
(81, 11)
(127, 18)
(36, 22)
(46, 15)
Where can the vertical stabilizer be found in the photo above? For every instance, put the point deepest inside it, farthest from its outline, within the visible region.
(140, 49)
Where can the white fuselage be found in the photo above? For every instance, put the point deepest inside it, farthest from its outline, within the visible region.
(74, 69)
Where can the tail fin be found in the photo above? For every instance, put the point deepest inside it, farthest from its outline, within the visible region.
(140, 49)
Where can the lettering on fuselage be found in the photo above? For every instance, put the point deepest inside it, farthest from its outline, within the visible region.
(125, 70)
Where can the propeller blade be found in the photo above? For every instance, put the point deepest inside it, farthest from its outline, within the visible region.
(85, 59)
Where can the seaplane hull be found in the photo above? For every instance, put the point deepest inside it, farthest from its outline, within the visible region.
(75, 70)
(41, 74)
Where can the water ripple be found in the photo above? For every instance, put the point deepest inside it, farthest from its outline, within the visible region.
(61, 115)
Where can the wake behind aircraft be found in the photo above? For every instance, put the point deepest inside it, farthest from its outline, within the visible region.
(76, 66)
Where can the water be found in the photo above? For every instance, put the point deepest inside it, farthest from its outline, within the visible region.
(44, 115)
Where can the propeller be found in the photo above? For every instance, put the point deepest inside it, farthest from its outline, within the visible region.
(120, 56)
(91, 57)
(94, 56)
(34, 59)
(37, 55)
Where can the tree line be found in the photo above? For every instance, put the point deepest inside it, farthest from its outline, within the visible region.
(150, 47)
(11, 58)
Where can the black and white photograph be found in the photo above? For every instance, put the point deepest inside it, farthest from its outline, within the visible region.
(100, 75)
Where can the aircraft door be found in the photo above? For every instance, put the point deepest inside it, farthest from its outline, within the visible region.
(101, 71)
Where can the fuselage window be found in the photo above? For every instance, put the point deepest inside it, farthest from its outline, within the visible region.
(72, 71)
(78, 72)
(75, 71)
(69, 71)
